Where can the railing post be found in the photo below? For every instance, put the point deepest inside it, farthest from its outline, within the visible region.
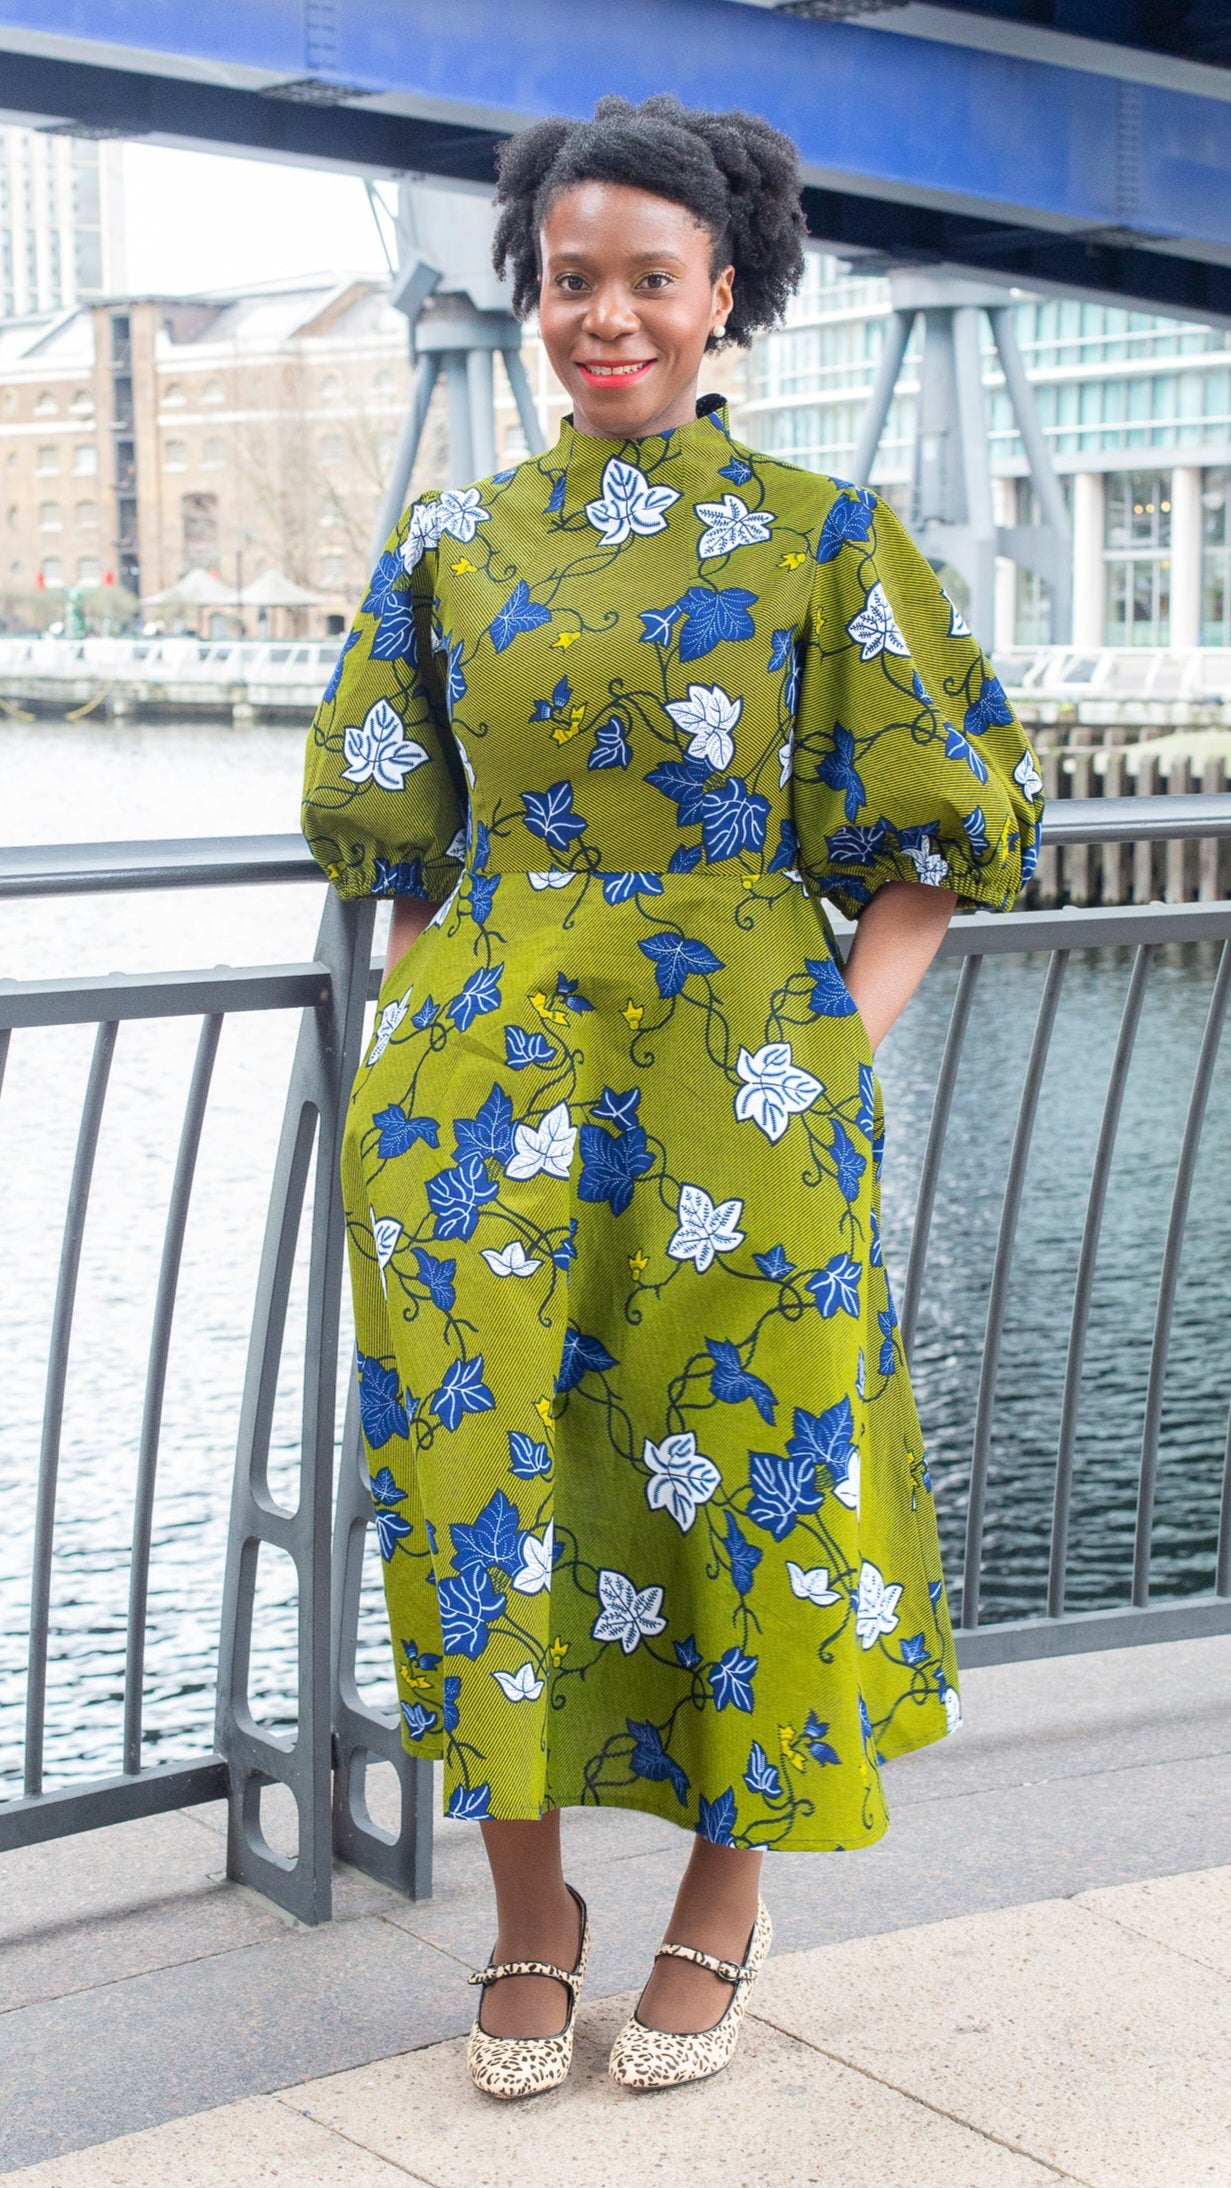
(321, 1074)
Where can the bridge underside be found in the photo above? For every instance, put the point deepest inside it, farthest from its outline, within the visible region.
(1062, 165)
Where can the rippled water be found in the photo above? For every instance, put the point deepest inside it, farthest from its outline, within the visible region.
(69, 783)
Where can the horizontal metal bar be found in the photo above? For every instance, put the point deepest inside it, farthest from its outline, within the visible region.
(1017, 1640)
(1187, 815)
(1074, 927)
(111, 1800)
(162, 995)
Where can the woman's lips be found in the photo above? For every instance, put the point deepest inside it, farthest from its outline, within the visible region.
(613, 375)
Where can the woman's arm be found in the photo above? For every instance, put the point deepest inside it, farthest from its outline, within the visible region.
(896, 938)
(411, 914)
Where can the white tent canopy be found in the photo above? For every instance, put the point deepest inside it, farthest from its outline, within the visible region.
(196, 589)
(273, 589)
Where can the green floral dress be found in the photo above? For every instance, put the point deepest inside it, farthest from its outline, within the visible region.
(648, 1476)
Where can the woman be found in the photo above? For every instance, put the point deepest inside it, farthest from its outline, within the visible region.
(649, 1479)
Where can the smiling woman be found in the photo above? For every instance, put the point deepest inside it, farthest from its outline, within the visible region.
(649, 1478)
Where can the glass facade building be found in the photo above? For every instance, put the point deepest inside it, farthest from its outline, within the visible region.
(60, 221)
(1135, 409)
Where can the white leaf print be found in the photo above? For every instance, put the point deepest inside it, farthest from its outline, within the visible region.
(958, 626)
(386, 1230)
(386, 1026)
(626, 1613)
(846, 1490)
(774, 1088)
(513, 1261)
(705, 1230)
(786, 758)
(953, 1710)
(681, 1477)
(547, 1147)
(380, 752)
(813, 1585)
(1027, 774)
(457, 848)
(534, 1572)
(928, 864)
(629, 504)
(555, 877)
(874, 628)
(730, 523)
(708, 715)
(876, 1606)
(461, 513)
(422, 533)
(521, 1685)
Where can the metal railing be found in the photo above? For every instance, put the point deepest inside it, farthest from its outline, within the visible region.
(338, 1735)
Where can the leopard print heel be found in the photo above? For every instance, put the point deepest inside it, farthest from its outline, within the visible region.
(523, 2066)
(652, 2058)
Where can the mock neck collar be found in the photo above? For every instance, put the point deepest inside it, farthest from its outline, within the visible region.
(702, 437)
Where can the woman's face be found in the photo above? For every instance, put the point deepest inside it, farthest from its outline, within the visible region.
(626, 306)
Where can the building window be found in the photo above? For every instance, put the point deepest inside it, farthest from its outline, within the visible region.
(173, 397)
(89, 570)
(47, 460)
(85, 516)
(46, 406)
(214, 453)
(1216, 559)
(332, 450)
(1138, 557)
(82, 405)
(175, 456)
(333, 571)
(85, 460)
(49, 518)
(199, 516)
(213, 392)
(52, 570)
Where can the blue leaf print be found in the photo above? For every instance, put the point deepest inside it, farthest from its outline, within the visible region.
(567, 993)
(814, 1740)
(838, 769)
(471, 1803)
(849, 1163)
(865, 1115)
(381, 1411)
(541, 711)
(782, 1490)
(611, 746)
(555, 500)
(915, 1650)
(566, 1251)
(611, 1163)
(687, 1654)
(760, 1775)
(518, 614)
(684, 782)
(455, 682)
(581, 1356)
(957, 747)
(858, 846)
(649, 1758)
(418, 1718)
(733, 819)
(717, 1818)
(480, 993)
(835, 1288)
(658, 623)
(731, 1679)
(886, 1361)
(563, 693)
(549, 814)
(398, 1132)
(830, 997)
(482, 847)
(990, 709)
(774, 1264)
(617, 888)
(391, 1529)
(426, 1012)
(395, 638)
(921, 692)
(483, 888)
(457, 1195)
(405, 878)
(787, 853)
(491, 1539)
(383, 584)
(825, 1439)
(675, 957)
(731, 1381)
(713, 618)
(463, 1391)
(618, 1109)
(849, 519)
(437, 1277)
(385, 1489)
(744, 1556)
(331, 688)
(521, 1048)
(490, 1132)
(526, 1457)
(781, 648)
(737, 471)
(683, 860)
(453, 1687)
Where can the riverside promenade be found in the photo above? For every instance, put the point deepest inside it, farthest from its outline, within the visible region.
(1028, 1981)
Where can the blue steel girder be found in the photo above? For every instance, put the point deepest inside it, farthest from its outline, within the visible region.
(1052, 175)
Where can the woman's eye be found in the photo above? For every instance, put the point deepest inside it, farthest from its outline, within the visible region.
(572, 284)
(657, 280)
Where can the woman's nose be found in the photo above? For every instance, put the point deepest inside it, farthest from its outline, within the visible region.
(610, 314)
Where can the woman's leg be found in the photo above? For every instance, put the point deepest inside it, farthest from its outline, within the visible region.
(715, 1908)
(537, 1919)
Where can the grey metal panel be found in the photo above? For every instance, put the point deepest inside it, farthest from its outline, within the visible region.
(53, 1409)
(1020, 1640)
(111, 1800)
(172, 862)
(84, 1001)
(1121, 926)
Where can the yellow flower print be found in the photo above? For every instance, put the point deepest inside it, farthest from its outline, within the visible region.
(558, 1651)
(637, 1263)
(543, 1408)
(790, 1753)
(634, 1012)
(462, 568)
(565, 640)
(790, 562)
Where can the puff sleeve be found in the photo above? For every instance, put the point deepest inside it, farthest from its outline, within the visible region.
(384, 797)
(909, 763)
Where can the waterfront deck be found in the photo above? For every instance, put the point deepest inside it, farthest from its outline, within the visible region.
(1027, 1981)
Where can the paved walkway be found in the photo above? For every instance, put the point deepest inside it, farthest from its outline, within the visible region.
(1028, 1980)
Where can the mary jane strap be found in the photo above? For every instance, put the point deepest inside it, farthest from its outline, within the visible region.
(732, 1971)
(496, 1968)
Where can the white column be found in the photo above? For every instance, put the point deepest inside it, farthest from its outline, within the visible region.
(1089, 583)
(1186, 555)
(1004, 620)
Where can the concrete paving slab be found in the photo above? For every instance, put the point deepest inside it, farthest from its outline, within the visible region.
(1094, 2048)
(261, 2140)
(101, 1873)
(1187, 1914)
(74, 1956)
(781, 2114)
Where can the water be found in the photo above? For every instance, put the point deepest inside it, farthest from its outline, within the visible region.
(68, 783)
